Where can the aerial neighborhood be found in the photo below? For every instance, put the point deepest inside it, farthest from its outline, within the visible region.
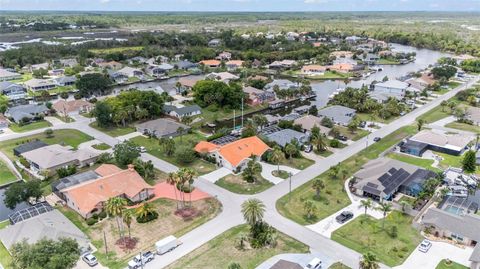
(158, 140)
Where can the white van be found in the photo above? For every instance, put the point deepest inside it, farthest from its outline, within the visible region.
(316, 263)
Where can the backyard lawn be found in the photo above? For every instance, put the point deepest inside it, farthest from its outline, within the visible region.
(146, 234)
(366, 234)
(114, 131)
(463, 126)
(425, 163)
(69, 137)
(6, 176)
(190, 140)
(221, 251)
(450, 160)
(452, 265)
(29, 127)
(334, 197)
(236, 184)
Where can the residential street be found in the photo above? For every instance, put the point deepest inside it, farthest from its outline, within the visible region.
(231, 215)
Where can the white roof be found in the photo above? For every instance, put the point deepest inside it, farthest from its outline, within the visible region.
(437, 138)
(397, 84)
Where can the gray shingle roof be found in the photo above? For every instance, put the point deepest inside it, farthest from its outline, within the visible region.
(29, 111)
(285, 136)
(340, 114)
(467, 225)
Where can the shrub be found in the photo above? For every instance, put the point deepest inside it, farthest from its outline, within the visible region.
(91, 221)
(95, 216)
(147, 218)
(102, 215)
(334, 143)
(185, 155)
(394, 231)
(24, 162)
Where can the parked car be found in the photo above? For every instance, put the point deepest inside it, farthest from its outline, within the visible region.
(425, 246)
(342, 138)
(316, 263)
(344, 217)
(143, 149)
(138, 260)
(376, 139)
(90, 259)
(308, 148)
(362, 124)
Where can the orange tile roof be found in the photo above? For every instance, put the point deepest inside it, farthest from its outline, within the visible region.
(343, 66)
(210, 62)
(88, 195)
(204, 147)
(235, 62)
(313, 67)
(107, 169)
(242, 149)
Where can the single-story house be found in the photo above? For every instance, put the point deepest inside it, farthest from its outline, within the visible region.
(453, 144)
(30, 111)
(7, 75)
(51, 225)
(56, 72)
(342, 67)
(472, 113)
(390, 88)
(44, 66)
(340, 115)
(131, 72)
(52, 157)
(13, 91)
(110, 65)
(162, 128)
(235, 155)
(73, 180)
(342, 54)
(29, 146)
(284, 64)
(223, 76)
(258, 97)
(65, 81)
(158, 70)
(309, 121)
(461, 228)
(234, 64)
(382, 178)
(73, 106)
(72, 62)
(214, 42)
(36, 84)
(211, 63)
(89, 197)
(285, 136)
(371, 58)
(225, 56)
(313, 70)
(187, 83)
(283, 84)
(117, 76)
(185, 65)
(180, 112)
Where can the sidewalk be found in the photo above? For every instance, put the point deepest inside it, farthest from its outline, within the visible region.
(267, 170)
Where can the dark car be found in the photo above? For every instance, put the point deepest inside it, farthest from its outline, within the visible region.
(342, 138)
(376, 139)
(344, 217)
(308, 148)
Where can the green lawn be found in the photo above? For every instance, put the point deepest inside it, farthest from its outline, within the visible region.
(101, 146)
(450, 160)
(327, 75)
(236, 184)
(4, 224)
(374, 118)
(338, 265)
(384, 61)
(5, 258)
(116, 50)
(69, 137)
(153, 147)
(221, 251)
(6, 176)
(425, 163)
(224, 114)
(29, 127)
(452, 265)
(435, 114)
(281, 174)
(333, 197)
(358, 134)
(464, 127)
(366, 234)
(25, 77)
(114, 131)
(67, 119)
(297, 163)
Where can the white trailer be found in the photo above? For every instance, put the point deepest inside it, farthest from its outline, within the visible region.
(166, 244)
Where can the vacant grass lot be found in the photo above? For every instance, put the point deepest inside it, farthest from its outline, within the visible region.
(297, 163)
(236, 184)
(464, 127)
(146, 233)
(333, 197)
(221, 251)
(114, 131)
(29, 127)
(358, 134)
(435, 114)
(6, 176)
(153, 147)
(452, 265)
(425, 163)
(70, 137)
(366, 234)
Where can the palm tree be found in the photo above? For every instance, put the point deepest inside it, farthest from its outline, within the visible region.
(277, 156)
(172, 179)
(253, 210)
(366, 204)
(310, 208)
(114, 207)
(189, 176)
(145, 210)
(319, 142)
(404, 205)
(369, 261)
(127, 219)
(384, 208)
(318, 185)
(420, 123)
(290, 150)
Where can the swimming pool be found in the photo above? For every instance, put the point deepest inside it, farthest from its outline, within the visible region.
(454, 209)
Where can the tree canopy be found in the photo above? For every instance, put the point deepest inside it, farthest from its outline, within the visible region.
(211, 92)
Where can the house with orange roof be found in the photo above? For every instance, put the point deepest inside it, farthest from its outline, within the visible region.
(235, 155)
(234, 64)
(211, 63)
(342, 67)
(313, 70)
(89, 195)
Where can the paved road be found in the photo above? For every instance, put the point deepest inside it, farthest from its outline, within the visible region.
(231, 215)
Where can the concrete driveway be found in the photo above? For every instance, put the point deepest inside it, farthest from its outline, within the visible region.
(216, 175)
(267, 170)
(301, 259)
(437, 252)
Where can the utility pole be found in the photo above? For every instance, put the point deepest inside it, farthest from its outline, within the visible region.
(105, 241)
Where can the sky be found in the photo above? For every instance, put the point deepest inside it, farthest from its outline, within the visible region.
(242, 5)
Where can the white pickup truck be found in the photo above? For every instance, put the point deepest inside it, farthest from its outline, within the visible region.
(140, 260)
